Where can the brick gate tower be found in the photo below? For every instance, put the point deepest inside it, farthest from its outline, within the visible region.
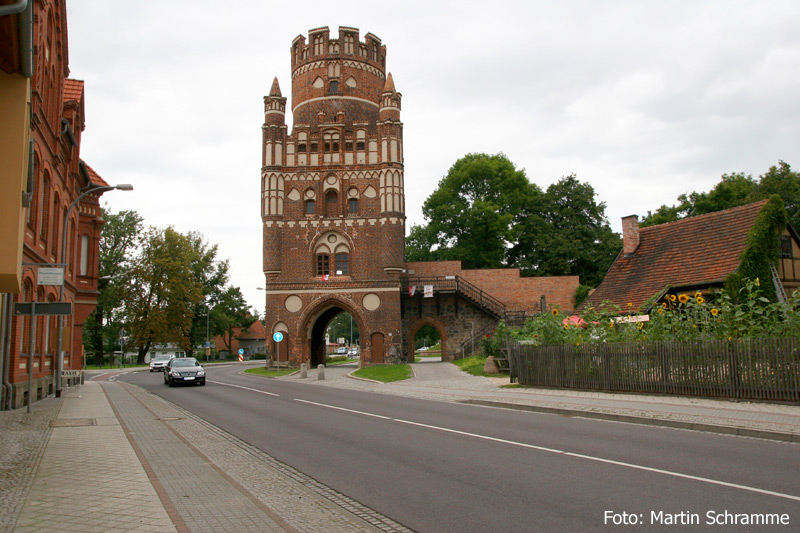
(332, 200)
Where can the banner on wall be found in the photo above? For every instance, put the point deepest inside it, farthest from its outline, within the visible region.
(428, 291)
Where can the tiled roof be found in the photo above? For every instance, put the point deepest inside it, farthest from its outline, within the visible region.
(73, 90)
(694, 251)
(255, 331)
(95, 177)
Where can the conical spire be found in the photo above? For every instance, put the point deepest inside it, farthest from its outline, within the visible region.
(276, 89)
(388, 87)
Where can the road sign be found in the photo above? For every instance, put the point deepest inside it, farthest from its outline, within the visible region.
(241, 351)
(43, 308)
(51, 276)
(278, 336)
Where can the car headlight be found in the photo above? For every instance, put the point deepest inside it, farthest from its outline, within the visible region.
(201, 373)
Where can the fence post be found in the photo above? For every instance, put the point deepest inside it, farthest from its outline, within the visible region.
(733, 368)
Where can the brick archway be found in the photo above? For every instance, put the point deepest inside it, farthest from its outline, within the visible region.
(314, 321)
(436, 324)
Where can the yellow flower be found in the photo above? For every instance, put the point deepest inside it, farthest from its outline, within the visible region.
(536, 336)
(660, 311)
(555, 312)
(664, 305)
(758, 282)
(672, 298)
(714, 311)
(630, 304)
(611, 324)
(698, 294)
(683, 298)
(566, 326)
(700, 300)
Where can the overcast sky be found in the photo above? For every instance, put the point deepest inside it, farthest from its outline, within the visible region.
(645, 100)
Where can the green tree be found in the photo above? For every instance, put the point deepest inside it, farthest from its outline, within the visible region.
(473, 213)
(162, 290)
(119, 237)
(734, 190)
(213, 277)
(566, 234)
(230, 312)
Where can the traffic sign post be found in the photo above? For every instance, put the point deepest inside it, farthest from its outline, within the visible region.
(278, 337)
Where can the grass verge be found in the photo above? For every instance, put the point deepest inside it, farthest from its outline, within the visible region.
(385, 373)
(261, 371)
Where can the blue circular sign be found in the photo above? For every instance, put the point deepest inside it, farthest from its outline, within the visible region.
(278, 336)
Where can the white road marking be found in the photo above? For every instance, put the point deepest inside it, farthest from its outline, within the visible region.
(568, 454)
(343, 409)
(245, 388)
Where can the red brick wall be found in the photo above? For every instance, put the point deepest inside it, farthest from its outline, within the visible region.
(506, 285)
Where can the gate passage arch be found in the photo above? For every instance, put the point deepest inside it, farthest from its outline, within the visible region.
(436, 324)
(316, 319)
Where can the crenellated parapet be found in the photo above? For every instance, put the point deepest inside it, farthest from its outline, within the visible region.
(320, 47)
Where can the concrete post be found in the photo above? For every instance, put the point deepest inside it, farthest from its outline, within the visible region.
(303, 371)
(321, 373)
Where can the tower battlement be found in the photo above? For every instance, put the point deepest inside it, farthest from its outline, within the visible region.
(321, 47)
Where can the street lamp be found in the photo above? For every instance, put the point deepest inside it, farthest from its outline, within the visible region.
(90, 190)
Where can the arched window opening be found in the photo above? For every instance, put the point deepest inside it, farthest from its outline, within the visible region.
(342, 264)
(331, 200)
(323, 265)
(352, 206)
(310, 206)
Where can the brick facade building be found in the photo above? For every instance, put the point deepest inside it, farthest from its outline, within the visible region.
(56, 178)
(333, 212)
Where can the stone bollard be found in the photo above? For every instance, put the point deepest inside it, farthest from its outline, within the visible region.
(320, 372)
(303, 371)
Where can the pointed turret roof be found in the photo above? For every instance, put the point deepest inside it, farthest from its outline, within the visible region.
(388, 87)
(276, 89)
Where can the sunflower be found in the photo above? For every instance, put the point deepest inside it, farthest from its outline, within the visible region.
(660, 311)
(683, 298)
(566, 326)
(664, 305)
(672, 298)
(714, 312)
(698, 294)
(700, 300)
(555, 312)
(630, 304)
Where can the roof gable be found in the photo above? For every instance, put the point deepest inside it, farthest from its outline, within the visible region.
(694, 251)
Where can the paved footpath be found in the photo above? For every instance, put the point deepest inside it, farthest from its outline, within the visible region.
(109, 456)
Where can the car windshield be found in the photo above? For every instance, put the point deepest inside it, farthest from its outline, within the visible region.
(185, 362)
(163, 358)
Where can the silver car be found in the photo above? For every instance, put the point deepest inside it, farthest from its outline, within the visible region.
(158, 362)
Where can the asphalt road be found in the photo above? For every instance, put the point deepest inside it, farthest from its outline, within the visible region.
(438, 466)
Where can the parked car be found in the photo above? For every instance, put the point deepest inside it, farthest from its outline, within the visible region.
(341, 350)
(352, 352)
(184, 370)
(158, 362)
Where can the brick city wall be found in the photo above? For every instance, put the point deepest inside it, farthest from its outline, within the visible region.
(506, 285)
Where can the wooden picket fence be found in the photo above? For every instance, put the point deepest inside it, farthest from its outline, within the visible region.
(757, 369)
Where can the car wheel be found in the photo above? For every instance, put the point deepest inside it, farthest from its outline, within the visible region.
(202, 383)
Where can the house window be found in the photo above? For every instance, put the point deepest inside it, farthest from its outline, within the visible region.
(309, 207)
(84, 269)
(334, 86)
(323, 264)
(360, 146)
(352, 205)
(342, 264)
(314, 147)
(786, 248)
(301, 148)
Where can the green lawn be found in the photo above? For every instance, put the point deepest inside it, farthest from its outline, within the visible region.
(261, 371)
(385, 373)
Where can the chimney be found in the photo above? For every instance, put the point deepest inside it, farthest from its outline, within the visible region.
(630, 234)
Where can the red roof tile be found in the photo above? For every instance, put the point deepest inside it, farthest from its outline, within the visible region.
(694, 251)
(73, 90)
(95, 177)
(255, 331)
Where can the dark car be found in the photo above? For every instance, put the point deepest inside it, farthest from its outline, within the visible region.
(184, 370)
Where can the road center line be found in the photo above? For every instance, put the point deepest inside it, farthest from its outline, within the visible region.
(245, 388)
(569, 454)
(343, 409)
